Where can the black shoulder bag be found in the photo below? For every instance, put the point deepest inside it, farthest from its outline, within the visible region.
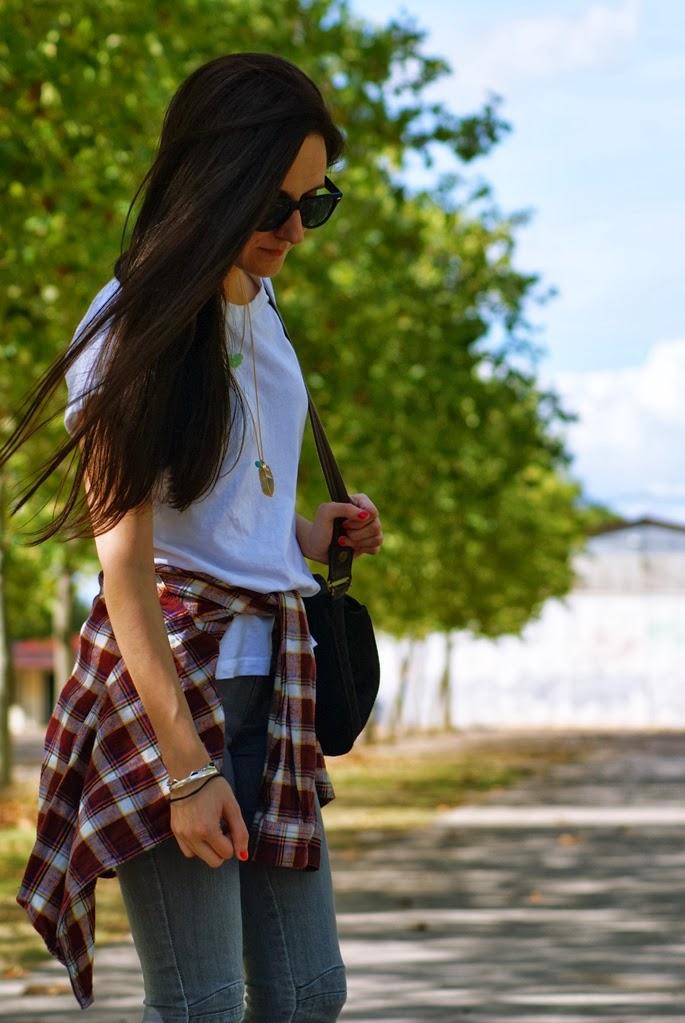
(347, 665)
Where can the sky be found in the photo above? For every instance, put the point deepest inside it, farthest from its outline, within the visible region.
(595, 95)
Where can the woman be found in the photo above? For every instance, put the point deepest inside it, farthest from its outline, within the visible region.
(182, 753)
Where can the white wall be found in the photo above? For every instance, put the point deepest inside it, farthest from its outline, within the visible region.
(594, 659)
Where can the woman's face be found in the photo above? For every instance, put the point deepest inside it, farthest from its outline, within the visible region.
(265, 251)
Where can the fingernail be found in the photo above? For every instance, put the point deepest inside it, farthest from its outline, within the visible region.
(363, 515)
(243, 854)
(342, 541)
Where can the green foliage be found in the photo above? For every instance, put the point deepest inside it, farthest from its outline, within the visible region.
(389, 305)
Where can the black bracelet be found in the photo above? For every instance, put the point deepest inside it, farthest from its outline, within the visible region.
(195, 791)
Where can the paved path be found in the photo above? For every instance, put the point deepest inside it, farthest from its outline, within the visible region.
(559, 900)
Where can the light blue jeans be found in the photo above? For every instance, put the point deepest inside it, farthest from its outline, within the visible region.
(207, 936)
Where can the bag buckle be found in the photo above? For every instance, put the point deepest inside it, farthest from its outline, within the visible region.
(339, 564)
(332, 584)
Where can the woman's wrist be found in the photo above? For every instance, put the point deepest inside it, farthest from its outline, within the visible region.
(189, 790)
(208, 770)
(303, 529)
(183, 758)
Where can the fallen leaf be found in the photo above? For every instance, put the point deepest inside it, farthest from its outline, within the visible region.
(47, 988)
(566, 838)
(11, 972)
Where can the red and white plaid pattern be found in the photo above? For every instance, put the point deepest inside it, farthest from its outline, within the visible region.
(101, 796)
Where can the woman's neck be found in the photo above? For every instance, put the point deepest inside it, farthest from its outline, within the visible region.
(240, 287)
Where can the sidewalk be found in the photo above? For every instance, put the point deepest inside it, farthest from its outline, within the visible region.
(559, 899)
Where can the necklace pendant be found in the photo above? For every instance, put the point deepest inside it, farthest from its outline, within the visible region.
(235, 359)
(266, 478)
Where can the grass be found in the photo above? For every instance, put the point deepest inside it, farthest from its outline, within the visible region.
(381, 790)
(394, 787)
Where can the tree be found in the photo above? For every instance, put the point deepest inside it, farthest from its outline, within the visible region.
(388, 305)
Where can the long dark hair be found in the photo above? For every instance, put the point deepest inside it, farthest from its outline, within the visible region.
(161, 407)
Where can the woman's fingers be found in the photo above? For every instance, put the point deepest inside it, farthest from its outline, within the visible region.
(331, 510)
(197, 828)
(211, 846)
(214, 850)
(368, 521)
(206, 852)
(363, 503)
(232, 815)
(360, 521)
(365, 537)
(185, 849)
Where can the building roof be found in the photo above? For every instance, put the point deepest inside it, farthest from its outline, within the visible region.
(646, 520)
(37, 654)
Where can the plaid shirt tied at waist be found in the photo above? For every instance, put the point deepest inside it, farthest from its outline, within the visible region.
(101, 796)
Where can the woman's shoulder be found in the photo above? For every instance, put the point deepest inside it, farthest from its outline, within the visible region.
(268, 284)
(98, 301)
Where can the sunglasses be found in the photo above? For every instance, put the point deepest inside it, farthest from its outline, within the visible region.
(314, 209)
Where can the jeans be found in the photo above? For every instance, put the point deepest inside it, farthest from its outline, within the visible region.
(207, 936)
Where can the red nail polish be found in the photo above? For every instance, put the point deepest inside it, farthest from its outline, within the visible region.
(243, 854)
(342, 541)
(363, 515)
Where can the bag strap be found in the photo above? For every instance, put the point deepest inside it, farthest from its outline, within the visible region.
(339, 558)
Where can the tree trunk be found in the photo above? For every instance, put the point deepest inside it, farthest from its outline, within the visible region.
(370, 732)
(61, 618)
(6, 667)
(445, 691)
(399, 703)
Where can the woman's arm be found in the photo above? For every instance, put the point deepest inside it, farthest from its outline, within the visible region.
(126, 556)
(302, 529)
(130, 591)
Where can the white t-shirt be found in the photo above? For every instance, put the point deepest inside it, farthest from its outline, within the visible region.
(236, 533)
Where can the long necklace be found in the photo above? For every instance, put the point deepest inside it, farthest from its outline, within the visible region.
(266, 476)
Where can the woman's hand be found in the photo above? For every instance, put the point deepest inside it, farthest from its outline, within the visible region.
(196, 822)
(361, 523)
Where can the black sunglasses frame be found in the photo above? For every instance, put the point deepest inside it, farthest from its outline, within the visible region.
(284, 207)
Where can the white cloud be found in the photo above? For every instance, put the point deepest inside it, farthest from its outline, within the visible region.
(547, 44)
(629, 440)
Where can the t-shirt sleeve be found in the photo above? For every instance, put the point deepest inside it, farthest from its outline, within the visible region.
(82, 374)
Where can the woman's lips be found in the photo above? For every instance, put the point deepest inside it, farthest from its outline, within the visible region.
(274, 252)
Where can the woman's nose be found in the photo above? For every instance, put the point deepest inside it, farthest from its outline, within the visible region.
(292, 230)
